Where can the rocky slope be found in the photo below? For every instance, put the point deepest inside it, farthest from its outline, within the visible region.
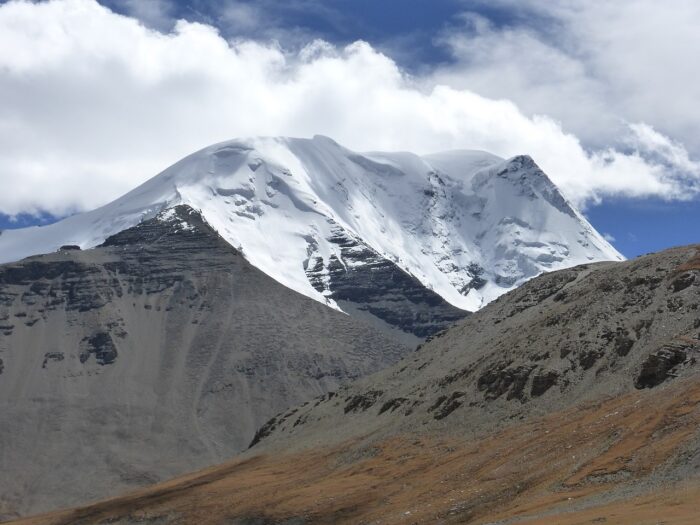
(592, 331)
(573, 399)
(157, 353)
(323, 220)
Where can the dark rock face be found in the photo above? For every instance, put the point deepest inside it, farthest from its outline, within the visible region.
(477, 282)
(660, 366)
(623, 343)
(57, 284)
(393, 404)
(683, 281)
(504, 379)
(448, 405)
(362, 402)
(543, 381)
(52, 356)
(102, 347)
(264, 431)
(69, 248)
(280, 419)
(589, 358)
(362, 279)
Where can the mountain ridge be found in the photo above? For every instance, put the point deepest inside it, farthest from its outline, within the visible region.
(467, 225)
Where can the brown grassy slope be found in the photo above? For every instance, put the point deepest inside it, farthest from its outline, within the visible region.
(601, 463)
(679, 507)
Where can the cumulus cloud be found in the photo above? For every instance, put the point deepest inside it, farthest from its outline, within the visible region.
(93, 103)
(592, 64)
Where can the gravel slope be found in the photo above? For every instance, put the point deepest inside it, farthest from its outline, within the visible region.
(156, 354)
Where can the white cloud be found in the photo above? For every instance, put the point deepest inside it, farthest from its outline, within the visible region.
(592, 64)
(94, 103)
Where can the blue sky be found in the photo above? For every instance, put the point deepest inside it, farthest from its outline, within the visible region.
(406, 29)
(598, 93)
(640, 226)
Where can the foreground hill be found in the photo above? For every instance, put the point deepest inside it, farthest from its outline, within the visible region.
(157, 353)
(574, 399)
(625, 461)
(360, 232)
(579, 334)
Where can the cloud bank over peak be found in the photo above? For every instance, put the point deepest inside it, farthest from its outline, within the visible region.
(95, 103)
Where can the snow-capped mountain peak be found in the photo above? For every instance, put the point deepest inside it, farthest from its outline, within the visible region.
(466, 224)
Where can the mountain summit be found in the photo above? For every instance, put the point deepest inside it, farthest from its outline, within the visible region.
(316, 216)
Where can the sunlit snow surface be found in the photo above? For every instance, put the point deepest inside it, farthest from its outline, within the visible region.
(443, 217)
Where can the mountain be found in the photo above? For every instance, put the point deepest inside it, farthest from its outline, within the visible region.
(572, 399)
(398, 238)
(157, 333)
(159, 352)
